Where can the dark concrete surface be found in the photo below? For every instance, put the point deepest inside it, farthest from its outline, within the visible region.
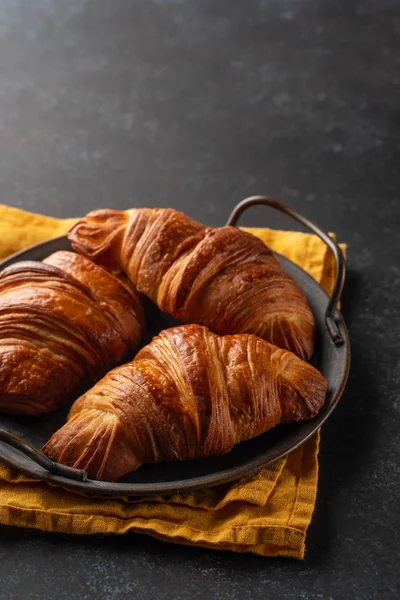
(196, 104)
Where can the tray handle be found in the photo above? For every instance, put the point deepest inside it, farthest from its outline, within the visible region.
(40, 458)
(330, 320)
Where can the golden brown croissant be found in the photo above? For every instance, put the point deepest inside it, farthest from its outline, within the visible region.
(63, 322)
(223, 278)
(188, 394)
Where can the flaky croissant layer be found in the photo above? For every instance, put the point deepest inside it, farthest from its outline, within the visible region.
(223, 278)
(188, 394)
(64, 322)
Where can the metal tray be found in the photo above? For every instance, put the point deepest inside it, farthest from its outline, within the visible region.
(20, 437)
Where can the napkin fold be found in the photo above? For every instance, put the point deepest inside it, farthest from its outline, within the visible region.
(267, 514)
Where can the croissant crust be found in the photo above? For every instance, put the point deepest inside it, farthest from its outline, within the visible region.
(64, 322)
(188, 394)
(223, 278)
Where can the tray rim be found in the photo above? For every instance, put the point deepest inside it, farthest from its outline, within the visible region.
(94, 488)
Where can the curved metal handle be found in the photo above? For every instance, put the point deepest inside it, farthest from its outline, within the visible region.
(40, 458)
(330, 320)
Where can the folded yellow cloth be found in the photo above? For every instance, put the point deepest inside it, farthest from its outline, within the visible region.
(267, 514)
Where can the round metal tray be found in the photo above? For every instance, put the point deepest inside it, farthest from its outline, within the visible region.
(20, 438)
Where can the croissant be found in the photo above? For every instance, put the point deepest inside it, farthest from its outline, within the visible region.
(223, 278)
(63, 322)
(188, 394)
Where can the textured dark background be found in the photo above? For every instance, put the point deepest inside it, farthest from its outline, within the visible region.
(196, 104)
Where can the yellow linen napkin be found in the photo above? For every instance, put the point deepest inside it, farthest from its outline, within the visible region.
(267, 514)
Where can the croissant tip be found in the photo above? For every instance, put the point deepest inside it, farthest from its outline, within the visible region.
(94, 441)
